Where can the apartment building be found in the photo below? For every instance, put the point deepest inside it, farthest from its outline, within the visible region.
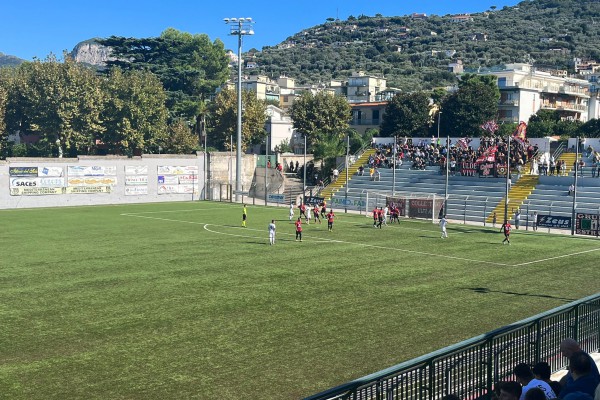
(525, 90)
(363, 88)
(263, 86)
(367, 115)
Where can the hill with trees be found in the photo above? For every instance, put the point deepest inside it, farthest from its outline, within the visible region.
(413, 52)
(9, 61)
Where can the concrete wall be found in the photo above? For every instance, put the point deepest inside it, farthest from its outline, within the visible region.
(222, 166)
(109, 188)
(109, 185)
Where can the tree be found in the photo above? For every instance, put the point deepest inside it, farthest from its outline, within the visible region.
(189, 66)
(320, 116)
(475, 102)
(134, 113)
(590, 129)
(181, 140)
(223, 118)
(407, 114)
(60, 102)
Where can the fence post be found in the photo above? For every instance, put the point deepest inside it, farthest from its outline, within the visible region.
(485, 210)
(465, 211)
(550, 213)
(527, 223)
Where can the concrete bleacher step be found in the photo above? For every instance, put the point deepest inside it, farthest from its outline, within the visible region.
(341, 182)
(516, 196)
(569, 159)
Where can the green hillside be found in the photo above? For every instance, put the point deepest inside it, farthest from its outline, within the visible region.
(9, 61)
(414, 53)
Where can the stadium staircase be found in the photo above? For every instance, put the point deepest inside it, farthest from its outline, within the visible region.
(333, 187)
(517, 194)
(569, 159)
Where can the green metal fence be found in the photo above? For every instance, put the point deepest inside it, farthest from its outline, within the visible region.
(469, 369)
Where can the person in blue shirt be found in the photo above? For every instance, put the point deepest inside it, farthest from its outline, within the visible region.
(582, 379)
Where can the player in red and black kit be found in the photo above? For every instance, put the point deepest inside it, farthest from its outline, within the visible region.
(303, 212)
(395, 214)
(316, 213)
(323, 209)
(298, 224)
(375, 217)
(330, 217)
(379, 217)
(506, 228)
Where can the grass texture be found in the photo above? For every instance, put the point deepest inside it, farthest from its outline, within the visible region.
(178, 301)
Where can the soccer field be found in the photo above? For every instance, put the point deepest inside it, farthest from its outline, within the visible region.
(178, 301)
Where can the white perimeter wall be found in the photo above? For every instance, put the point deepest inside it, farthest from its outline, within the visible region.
(117, 193)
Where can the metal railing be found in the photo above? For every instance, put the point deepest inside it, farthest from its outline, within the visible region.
(470, 368)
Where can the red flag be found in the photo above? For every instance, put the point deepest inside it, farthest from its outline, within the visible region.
(521, 132)
(489, 155)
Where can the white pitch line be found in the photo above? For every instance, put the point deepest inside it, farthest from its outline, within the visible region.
(369, 245)
(401, 225)
(554, 258)
(172, 211)
(360, 244)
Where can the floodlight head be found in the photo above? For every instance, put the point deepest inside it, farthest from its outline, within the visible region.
(233, 19)
(249, 19)
(226, 20)
(251, 32)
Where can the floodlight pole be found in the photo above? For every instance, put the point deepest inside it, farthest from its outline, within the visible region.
(239, 27)
(575, 189)
(304, 172)
(394, 172)
(447, 176)
(266, 166)
(439, 117)
(205, 157)
(507, 180)
(347, 180)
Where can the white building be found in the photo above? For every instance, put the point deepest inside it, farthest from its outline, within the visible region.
(524, 91)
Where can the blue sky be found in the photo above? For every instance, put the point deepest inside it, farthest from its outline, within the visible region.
(34, 28)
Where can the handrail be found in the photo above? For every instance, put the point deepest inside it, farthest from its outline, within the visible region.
(488, 344)
(559, 150)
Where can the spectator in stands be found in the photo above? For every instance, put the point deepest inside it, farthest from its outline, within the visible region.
(361, 171)
(580, 377)
(598, 171)
(377, 174)
(571, 190)
(508, 390)
(535, 394)
(543, 372)
(568, 347)
(525, 377)
(372, 173)
(336, 173)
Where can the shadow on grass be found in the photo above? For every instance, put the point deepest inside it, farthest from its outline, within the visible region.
(483, 290)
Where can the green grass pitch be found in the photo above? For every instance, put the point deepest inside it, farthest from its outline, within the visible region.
(178, 301)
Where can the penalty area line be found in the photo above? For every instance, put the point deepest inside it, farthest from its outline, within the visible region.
(557, 257)
(319, 240)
